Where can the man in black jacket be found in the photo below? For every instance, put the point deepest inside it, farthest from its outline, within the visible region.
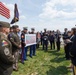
(65, 36)
(58, 36)
(52, 39)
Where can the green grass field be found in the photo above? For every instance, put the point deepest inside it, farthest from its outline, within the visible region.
(45, 63)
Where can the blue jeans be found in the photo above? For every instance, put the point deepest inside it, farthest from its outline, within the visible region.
(34, 49)
(25, 53)
(31, 50)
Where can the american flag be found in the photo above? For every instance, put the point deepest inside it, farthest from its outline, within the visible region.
(4, 11)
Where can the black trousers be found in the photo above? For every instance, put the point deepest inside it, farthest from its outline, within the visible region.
(41, 41)
(58, 45)
(37, 45)
(52, 44)
(45, 45)
(67, 50)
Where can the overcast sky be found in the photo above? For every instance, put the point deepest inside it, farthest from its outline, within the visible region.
(40, 14)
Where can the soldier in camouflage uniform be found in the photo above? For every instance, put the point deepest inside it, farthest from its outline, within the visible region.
(6, 57)
(14, 38)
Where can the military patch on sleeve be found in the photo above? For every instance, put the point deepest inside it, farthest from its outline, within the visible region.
(6, 51)
(10, 35)
(4, 43)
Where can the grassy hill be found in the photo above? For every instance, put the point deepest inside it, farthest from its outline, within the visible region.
(45, 63)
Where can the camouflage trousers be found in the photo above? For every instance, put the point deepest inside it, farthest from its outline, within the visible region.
(16, 55)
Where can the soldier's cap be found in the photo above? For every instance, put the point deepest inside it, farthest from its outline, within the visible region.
(4, 24)
(25, 28)
(44, 28)
(32, 29)
(15, 26)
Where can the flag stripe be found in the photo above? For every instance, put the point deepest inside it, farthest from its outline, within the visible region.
(4, 10)
(4, 14)
(3, 6)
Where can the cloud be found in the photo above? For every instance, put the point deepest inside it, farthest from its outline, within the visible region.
(58, 14)
(60, 9)
(22, 17)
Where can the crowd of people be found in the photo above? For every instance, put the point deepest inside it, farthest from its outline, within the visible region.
(69, 43)
(13, 47)
(69, 38)
(50, 37)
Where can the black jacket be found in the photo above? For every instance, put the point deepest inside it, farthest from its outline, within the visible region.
(51, 38)
(73, 51)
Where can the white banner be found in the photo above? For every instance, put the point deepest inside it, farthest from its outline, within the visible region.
(30, 39)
